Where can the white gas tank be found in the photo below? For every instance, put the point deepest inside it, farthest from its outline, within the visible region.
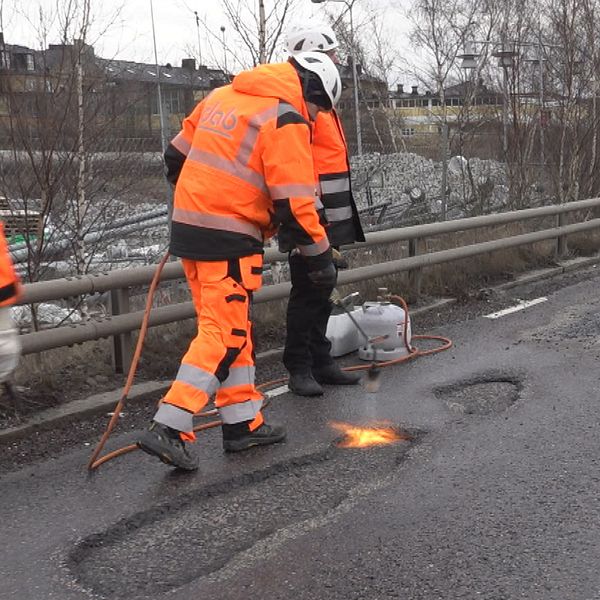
(385, 320)
(342, 333)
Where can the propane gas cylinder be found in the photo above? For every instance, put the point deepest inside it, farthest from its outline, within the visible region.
(383, 323)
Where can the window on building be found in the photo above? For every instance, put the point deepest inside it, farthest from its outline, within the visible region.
(408, 131)
(28, 104)
(23, 61)
(173, 102)
(31, 85)
(4, 59)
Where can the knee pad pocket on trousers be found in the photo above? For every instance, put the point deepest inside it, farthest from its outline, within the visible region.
(210, 271)
(251, 271)
(225, 312)
(222, 371)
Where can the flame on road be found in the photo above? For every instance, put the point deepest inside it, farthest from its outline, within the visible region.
(363, 437)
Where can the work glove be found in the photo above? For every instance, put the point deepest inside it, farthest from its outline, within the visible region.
(321, 269)
(325, 277)
(338, 259)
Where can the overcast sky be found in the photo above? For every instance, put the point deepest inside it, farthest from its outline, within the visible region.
(123, 28)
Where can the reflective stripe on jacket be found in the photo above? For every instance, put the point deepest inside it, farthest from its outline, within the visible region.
(333, 173)
(10, 284)
(243, 165)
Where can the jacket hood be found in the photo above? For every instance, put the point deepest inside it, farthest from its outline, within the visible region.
(276, 80)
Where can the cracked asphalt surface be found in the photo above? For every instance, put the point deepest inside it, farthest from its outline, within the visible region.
(495, 497)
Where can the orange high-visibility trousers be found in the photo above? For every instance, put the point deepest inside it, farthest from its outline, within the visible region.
(220, 359)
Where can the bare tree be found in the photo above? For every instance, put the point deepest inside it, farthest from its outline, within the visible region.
(572, 71)
(252, 33)
(439, 29)
(591, 56)
(61, 120)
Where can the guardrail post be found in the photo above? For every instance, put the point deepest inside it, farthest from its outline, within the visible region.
(415, 276)
(122, 343)
(561, 241)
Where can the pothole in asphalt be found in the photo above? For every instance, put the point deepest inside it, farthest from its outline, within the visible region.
(205, 532)
(480, 396)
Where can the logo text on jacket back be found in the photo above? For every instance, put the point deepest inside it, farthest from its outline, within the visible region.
(217, 121)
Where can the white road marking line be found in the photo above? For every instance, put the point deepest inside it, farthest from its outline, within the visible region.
(512, 309)
(277, 391)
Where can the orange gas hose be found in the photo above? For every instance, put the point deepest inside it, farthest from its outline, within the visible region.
(95, 462)
(92, 464)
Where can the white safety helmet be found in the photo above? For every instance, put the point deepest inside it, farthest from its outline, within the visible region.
(327, 75)
(311, 37)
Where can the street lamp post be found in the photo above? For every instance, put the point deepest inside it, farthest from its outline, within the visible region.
(198, 33)
(160, 104)
(505, 61)
(349, 4)
(539, 61)
(224, 49)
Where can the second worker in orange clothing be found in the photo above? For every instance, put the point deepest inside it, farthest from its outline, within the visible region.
(242, 165)
(307, 350)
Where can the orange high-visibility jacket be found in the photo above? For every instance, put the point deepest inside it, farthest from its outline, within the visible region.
(332, 169)
(10, 284)
(243, 165)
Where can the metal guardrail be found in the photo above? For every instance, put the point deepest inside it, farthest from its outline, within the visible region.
(119, 282)
(118, 229)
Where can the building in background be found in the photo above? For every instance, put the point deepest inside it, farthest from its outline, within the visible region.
(120, 98)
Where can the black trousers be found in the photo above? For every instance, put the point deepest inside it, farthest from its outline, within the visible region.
(308, 311)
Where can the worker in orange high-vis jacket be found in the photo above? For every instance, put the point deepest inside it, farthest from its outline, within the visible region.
(307, 350)
(242, 165)
(10, 283)
(10, 291)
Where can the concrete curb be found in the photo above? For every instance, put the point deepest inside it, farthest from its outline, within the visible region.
(80, 408)
(97, 403)
(564, 266)
(107, 400)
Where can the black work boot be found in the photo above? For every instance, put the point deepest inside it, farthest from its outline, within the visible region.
(332, 375)
(167, 445)
(238, 437)
(304, 384)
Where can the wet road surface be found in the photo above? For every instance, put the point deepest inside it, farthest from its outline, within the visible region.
(496, 496)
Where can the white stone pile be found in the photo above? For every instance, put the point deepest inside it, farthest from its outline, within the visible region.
(407, 179)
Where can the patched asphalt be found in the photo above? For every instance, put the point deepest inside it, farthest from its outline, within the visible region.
(496, 497)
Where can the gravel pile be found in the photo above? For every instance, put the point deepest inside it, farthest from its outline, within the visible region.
(406, 180)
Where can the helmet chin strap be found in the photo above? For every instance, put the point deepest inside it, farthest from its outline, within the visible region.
(306, 79)
(313, 110)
